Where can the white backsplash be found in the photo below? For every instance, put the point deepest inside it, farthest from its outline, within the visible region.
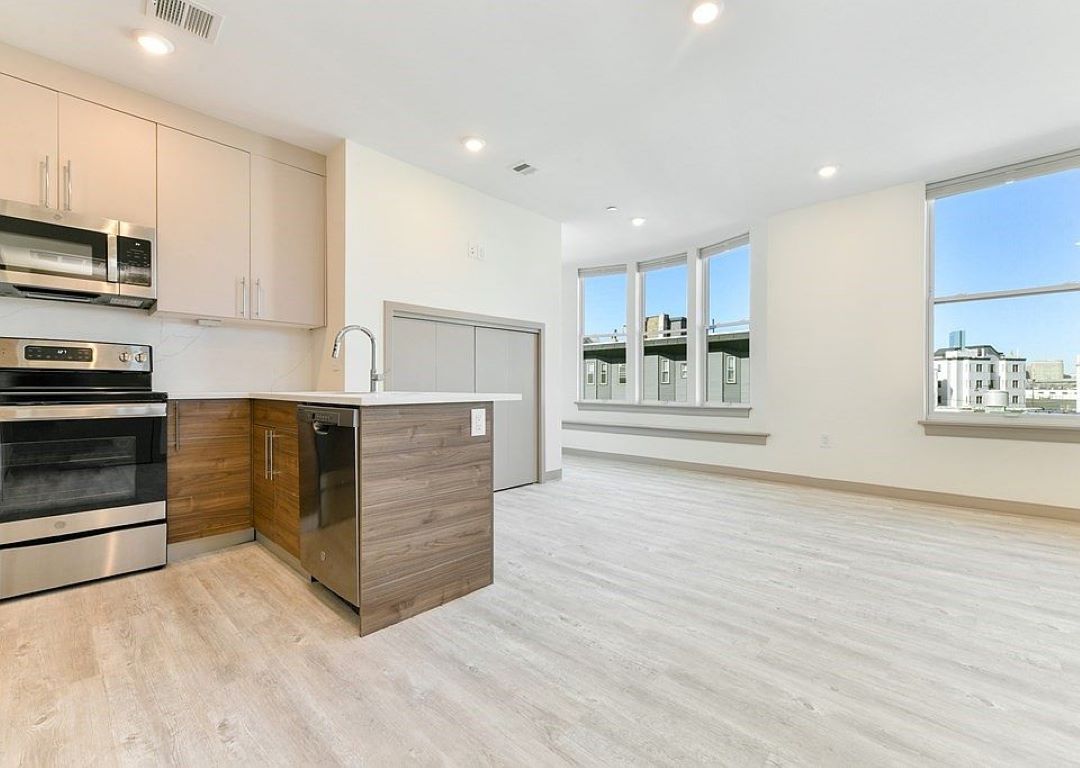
(187, 357)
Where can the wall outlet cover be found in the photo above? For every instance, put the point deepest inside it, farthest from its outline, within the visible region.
(479, 422)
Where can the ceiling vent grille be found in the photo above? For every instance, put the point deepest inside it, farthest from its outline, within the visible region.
(524, 169)
(191, 18)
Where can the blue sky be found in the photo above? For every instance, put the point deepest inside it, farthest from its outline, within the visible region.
(1020, 235)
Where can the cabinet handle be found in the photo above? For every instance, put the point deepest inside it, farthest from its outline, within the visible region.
(176, 428)
(271, 454)
(243, 297)
(45, 182)
(67, 186)
(258, 296)
(266, 454)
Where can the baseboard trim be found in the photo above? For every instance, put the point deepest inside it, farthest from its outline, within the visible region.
(1026, 509)
(552, 475)
(281, 554)
(711, 435)
(182, 550)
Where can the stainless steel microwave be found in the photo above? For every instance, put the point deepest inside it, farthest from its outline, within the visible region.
(50, 254)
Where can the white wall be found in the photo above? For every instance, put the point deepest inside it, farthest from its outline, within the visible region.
(405, 237)
(842, 294)
(187, 357)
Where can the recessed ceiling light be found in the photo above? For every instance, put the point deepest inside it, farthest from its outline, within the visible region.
(828, 171)
(473, 143)
(153, 43)
(706, 13)
(637, 221)
(612, 208)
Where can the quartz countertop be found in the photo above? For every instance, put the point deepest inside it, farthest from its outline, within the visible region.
(359, 399)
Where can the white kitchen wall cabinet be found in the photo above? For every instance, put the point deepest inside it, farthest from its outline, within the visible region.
(288, 244)
(204, 227)
(107, 163)
(28, 141)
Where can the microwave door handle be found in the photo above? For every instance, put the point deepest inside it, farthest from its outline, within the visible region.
(112, 263)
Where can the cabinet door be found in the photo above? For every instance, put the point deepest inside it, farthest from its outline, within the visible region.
(209, 468)
(203, 226)
(27, 139)
(107, 161)
(262, 487)
(286, 471)
(288, 243)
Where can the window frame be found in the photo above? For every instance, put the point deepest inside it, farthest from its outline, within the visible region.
(696, 263)
(1030, 169)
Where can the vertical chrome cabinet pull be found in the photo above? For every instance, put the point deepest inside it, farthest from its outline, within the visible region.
(45, 182)
(176, 427)
(243, 297)
(271, 454)
(266, 454)
(67, 186)
(258, 296)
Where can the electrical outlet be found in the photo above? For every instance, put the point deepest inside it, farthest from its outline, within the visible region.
(479, 422)
(475, 251)
(826, 441)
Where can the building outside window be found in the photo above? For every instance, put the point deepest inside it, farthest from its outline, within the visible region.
(727, 329)
(1005, 288)
(664, 329)
(682, 370)
(603, 332)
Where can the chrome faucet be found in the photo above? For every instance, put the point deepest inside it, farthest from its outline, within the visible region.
(336, 352)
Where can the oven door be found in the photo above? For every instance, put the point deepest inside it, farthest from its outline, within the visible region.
(57, 254)
(67, 469)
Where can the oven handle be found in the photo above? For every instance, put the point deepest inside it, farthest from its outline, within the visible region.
(86, 411)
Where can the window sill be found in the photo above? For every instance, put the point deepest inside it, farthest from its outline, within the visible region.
(1002, 428)
(736, 410)
(710, 435)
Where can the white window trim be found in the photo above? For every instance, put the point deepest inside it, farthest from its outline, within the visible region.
(697, 300)
(1033, 426)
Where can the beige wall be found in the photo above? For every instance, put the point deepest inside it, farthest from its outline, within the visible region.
(405, 235)
(839, 336)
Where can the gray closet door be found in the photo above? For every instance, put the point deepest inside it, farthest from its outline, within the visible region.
(429, 356)
(506, 361)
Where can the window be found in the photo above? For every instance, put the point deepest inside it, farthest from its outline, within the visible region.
(664, 328)
(603, 331)
(978, 400)
(978, 368)
(978, 384)
(622, 373)
(1005, 276)
(727, 321)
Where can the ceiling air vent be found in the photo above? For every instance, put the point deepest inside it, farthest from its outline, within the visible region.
(189, 17)
(523, 169)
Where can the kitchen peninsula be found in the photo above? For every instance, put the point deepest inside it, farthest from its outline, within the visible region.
(423, 479)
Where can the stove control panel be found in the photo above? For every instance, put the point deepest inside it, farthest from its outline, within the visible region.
(73, 355)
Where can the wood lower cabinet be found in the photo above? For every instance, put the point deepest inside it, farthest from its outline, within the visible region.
(209, 468)
(276, 474)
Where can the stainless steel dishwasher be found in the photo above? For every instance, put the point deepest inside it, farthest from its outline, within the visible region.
(330, 498)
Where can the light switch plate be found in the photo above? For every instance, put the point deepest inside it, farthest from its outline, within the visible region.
(479, 422)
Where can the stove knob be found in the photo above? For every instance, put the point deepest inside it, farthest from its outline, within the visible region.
(125, 357)
(140, 357)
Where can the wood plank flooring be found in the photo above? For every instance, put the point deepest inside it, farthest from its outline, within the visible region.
(640, 616)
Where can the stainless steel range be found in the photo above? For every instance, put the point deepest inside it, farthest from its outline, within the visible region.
(82, 463)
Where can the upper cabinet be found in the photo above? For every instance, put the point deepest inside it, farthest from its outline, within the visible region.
(204, 220)
(107, 163)
(288, 243)
(28, 160)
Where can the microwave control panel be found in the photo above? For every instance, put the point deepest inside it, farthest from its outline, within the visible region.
(135, 257)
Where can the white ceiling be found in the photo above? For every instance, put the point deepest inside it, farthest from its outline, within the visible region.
(623, 102)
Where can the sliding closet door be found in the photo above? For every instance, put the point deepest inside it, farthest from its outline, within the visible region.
(506, 361)
(429, 356)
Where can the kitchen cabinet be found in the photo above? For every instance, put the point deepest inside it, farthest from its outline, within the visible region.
(107, 163)
(288, 243)
(276, 474)
(209, 468)
(28, 147)
(203, 226)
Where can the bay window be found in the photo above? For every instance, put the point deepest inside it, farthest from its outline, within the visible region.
(603, 333)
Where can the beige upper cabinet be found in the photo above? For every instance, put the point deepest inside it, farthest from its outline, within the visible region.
(28, 140)
(204, 220)
(288, 243)
(106, 163)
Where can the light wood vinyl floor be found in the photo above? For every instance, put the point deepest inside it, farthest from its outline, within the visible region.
(639, 617)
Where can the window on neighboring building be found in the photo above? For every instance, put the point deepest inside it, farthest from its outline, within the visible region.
(727, 320)
(1005, 274)
(664, 327)
(622, 373)
(682, 370)
(603, 330)
(978, 400)
(978, 368)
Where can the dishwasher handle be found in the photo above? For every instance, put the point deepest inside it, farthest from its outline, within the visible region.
(323, 417)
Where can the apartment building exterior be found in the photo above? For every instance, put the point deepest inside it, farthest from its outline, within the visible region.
(979, 377)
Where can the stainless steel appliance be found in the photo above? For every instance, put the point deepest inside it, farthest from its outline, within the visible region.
(51, 254)
(82, 463)
(329, 498)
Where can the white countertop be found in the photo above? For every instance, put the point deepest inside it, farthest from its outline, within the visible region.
(359, 399)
